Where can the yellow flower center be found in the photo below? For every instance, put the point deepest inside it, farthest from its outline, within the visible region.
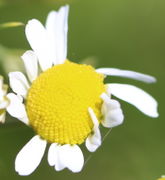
(58, 100)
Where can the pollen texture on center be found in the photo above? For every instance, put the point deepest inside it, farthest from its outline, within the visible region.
(58, 100)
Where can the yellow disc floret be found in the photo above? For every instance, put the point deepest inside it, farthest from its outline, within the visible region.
(58, 101)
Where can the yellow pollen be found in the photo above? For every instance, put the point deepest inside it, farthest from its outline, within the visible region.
(58, 100)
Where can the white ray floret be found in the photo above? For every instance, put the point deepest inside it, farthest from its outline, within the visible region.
(38, 39)
(93, 141)
(71, 157)
(127, 74)
(53, 157)
(30, 156)
(57, 28)
(31, 64)
(58, 164)
(112, 112)
(49, 43)
(53, 154)
(65, 156)
(135, 96)
(16, 108)
(19, 83)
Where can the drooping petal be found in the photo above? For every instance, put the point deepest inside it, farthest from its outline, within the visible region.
(93, 141)
(30, 156)
(112, 113)
(53, 157)
(71, 157)
(18, 83)
(127, 74)
(38, 39)
(16, 108)
(30, 61)
(93, 117)
(57, 28)
(135, 96)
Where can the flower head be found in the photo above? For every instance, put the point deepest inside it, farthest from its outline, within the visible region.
(66, 102)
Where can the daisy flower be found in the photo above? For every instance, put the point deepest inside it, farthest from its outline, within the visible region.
(65, 102)
(4, 101)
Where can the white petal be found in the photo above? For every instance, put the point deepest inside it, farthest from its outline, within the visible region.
(113, 118)
(16, 108)
(71, 157)
(112, 113)
(59, 166)
(30, 156)
(57, 28)
(93, 117)
(53, 157)
(18, 83)
(30, 61)
(127, 74)
(94, 140)
(52, 154)
(38, 39)
(135, 96)
(51, 31)
(24, 120)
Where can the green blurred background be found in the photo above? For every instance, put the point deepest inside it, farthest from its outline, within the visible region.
(128, 34)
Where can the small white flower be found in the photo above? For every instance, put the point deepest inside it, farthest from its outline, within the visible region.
(4, 102)
(66, 102)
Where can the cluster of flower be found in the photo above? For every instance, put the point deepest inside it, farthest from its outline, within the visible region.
(65, 102)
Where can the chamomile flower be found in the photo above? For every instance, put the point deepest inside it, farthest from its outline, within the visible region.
(4, 101)
(65, 102)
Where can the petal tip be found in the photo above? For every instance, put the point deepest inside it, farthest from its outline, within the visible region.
(154, 115)
(31, 21)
